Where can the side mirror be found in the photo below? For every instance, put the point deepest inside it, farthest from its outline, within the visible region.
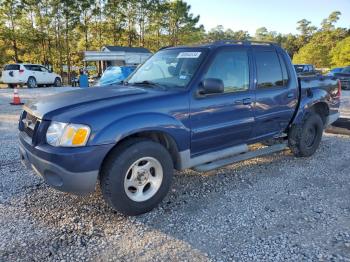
(211, 86)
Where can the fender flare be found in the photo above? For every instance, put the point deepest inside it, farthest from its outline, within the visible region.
(143, 122)
(318, 96)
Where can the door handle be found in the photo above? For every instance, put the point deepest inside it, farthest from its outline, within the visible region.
(247, 101)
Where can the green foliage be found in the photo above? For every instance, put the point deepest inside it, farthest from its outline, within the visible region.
(56, 32)
(340, 54)
(219, 33)
(318, 50)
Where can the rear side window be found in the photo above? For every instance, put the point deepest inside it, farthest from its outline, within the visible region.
(28, 67)
(284, 70)
(43, 69)
(11, 67)
(269, 72)
(232, 67)
(33, 68)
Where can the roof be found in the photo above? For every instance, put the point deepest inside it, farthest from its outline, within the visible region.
(126, 49)
(224, 42)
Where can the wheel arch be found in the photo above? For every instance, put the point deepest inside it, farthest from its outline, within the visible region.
(319, 107)
(157, 136)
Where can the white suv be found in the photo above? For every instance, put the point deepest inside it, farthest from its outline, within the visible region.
(29, 74)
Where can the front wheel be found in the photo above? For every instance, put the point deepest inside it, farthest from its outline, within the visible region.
(57, 82)
(136, 176)
(304, 139)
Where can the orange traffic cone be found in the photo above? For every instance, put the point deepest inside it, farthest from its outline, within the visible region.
(16, 100)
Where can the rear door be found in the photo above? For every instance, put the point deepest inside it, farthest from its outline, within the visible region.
(276, 92)
(11, 73)
(223, 120)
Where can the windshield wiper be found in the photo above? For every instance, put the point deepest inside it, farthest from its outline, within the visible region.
(147, 83)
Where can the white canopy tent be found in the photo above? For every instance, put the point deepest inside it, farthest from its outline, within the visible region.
(117, 56)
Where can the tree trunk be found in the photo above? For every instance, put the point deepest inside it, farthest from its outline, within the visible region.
(68, 51)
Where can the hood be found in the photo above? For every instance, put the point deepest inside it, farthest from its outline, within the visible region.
(76, 98)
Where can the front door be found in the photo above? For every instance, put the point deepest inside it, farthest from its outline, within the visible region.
(223, 120)
(46, 76)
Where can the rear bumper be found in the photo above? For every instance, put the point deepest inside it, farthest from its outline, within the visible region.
(8, 80)
(345, 84)
(65, 171)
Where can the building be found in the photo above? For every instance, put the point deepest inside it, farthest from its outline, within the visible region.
(117, 56)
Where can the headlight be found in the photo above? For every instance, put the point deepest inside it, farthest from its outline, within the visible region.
(67, 135)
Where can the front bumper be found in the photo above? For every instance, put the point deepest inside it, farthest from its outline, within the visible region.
(73, 170)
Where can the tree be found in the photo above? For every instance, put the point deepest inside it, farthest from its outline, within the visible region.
(262, 34)
(86, 12)
(317, 50)
(290, 44)
(180, 21)
(219, 33)
(328, 24)
(340, 54)
(10, 14)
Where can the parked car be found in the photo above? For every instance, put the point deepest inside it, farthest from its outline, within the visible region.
(335, 70)
(344, 77)
(305, 70)
(115, 74)
(31, 75)
(186, 107)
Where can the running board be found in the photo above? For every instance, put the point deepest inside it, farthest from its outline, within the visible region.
(240, 157)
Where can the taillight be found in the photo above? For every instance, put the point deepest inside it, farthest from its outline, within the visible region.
(21, 71)
(339, 88)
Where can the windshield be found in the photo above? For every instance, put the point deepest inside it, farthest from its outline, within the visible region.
(115, 74)
(169, 68)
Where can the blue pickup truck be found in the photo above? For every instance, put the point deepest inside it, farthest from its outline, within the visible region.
(197, 107)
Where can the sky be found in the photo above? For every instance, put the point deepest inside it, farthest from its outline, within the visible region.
(275, 15)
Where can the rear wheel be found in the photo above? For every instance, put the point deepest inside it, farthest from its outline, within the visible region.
(136, 176)
(304, 139)
(57, 82)
(31, 83)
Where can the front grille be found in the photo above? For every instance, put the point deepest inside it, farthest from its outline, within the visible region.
(30, 124)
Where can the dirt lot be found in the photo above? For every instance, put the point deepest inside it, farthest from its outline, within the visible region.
(271, 208)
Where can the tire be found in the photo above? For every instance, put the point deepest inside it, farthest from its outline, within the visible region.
(305, 139)
(31, 83)
(57, 83)
(128, 185)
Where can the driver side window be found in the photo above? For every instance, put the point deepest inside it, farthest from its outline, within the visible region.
(232, 67)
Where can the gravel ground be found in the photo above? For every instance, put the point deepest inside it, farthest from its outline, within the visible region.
(271, 208)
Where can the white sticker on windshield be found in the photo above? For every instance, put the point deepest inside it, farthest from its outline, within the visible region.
(189, 55)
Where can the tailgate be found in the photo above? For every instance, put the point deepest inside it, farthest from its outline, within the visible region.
(10, 75)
